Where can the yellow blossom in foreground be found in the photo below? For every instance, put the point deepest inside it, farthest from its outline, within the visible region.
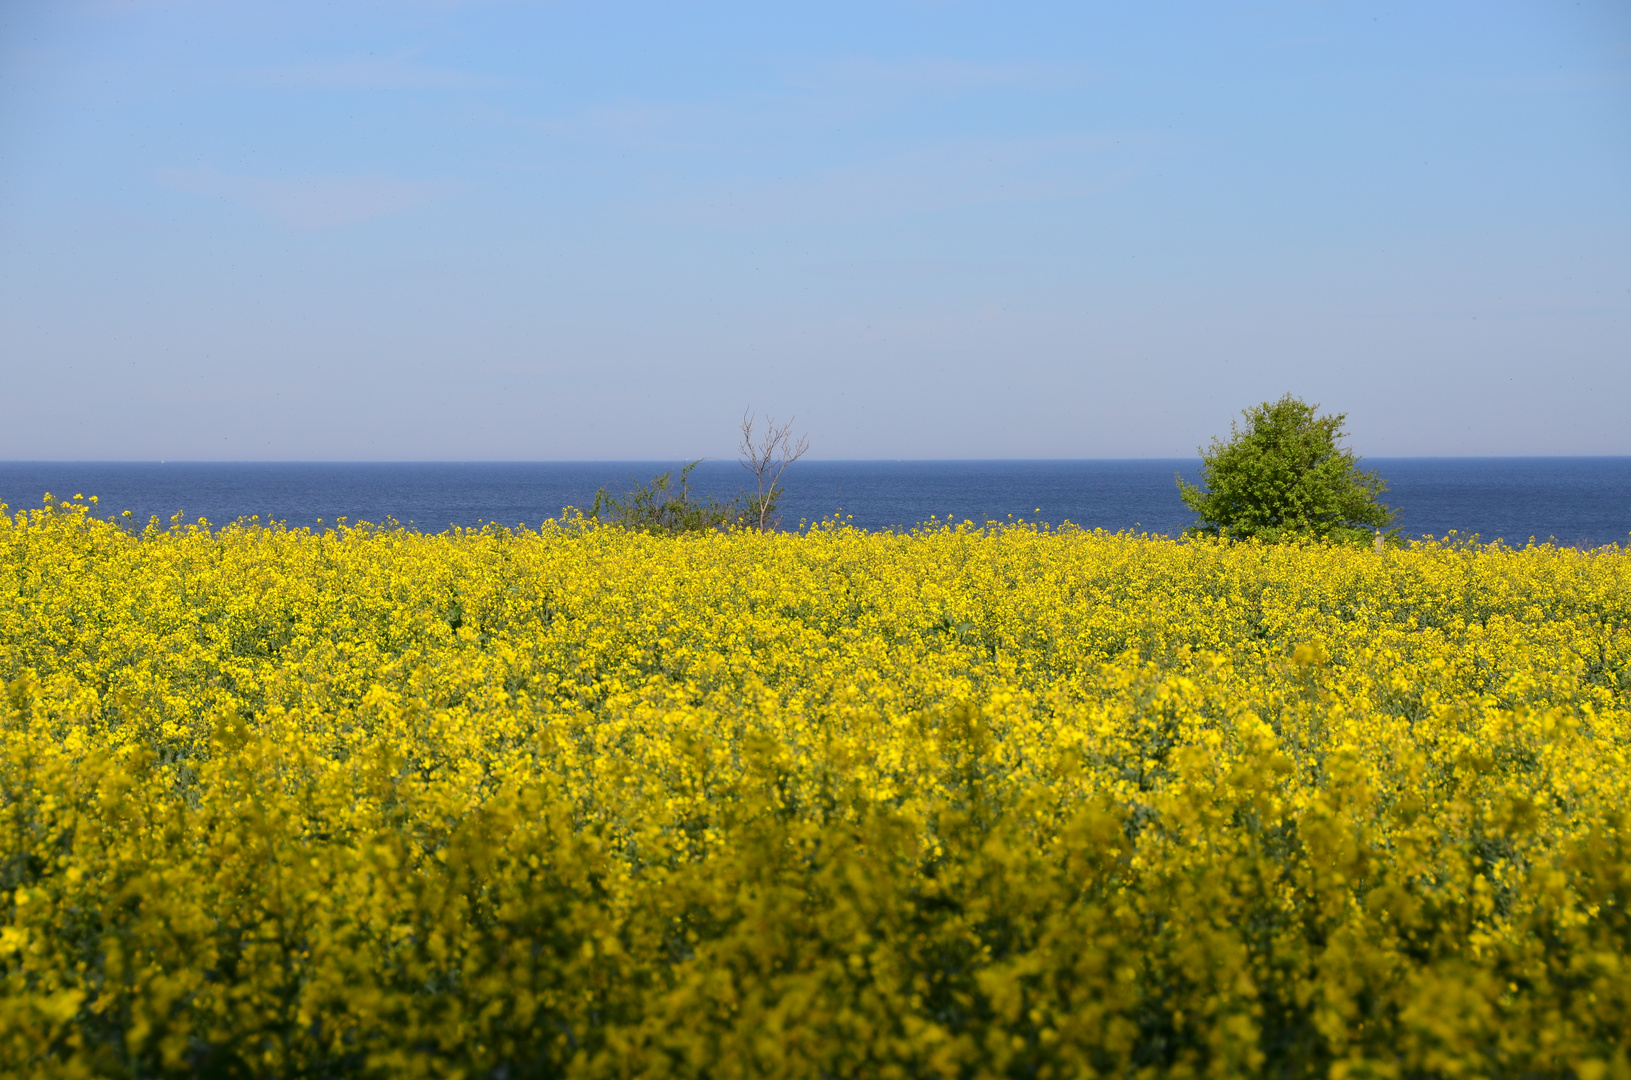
(961, 803)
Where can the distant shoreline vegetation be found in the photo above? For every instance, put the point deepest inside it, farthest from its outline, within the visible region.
(1581, 502)
(664, 520)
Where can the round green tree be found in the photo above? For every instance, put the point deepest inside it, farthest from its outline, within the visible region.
(1286, 474)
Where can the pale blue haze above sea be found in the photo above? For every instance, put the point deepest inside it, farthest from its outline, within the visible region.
(1575, 501)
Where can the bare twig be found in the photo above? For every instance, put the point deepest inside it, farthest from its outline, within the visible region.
(766, 457)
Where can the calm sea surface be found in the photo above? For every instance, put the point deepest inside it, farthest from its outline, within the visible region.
(1575, 501)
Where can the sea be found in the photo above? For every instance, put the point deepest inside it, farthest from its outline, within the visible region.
(1582, 502)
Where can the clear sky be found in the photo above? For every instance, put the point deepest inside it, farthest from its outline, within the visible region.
(408, 229)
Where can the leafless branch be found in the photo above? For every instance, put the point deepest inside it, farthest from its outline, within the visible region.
(766, 456)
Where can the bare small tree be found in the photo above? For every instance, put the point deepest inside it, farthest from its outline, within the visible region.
(765, 456)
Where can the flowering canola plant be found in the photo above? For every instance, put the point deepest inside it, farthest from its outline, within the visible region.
(964, 802)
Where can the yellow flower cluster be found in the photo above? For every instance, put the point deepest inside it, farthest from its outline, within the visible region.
(1003, 802)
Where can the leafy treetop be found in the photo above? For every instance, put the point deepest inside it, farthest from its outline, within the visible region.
(1285, 475)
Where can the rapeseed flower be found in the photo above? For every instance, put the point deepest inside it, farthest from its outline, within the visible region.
(965, 802)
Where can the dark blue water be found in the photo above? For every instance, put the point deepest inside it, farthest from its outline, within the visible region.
(1575, 501)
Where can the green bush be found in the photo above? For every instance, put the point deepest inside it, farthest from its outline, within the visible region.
(1286, 475)
(654, 508)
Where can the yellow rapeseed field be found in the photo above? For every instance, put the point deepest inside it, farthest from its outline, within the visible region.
(995, 802)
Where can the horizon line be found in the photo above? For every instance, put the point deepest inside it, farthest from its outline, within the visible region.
(725, 460)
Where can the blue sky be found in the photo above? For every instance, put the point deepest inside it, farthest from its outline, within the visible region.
(424, 230)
